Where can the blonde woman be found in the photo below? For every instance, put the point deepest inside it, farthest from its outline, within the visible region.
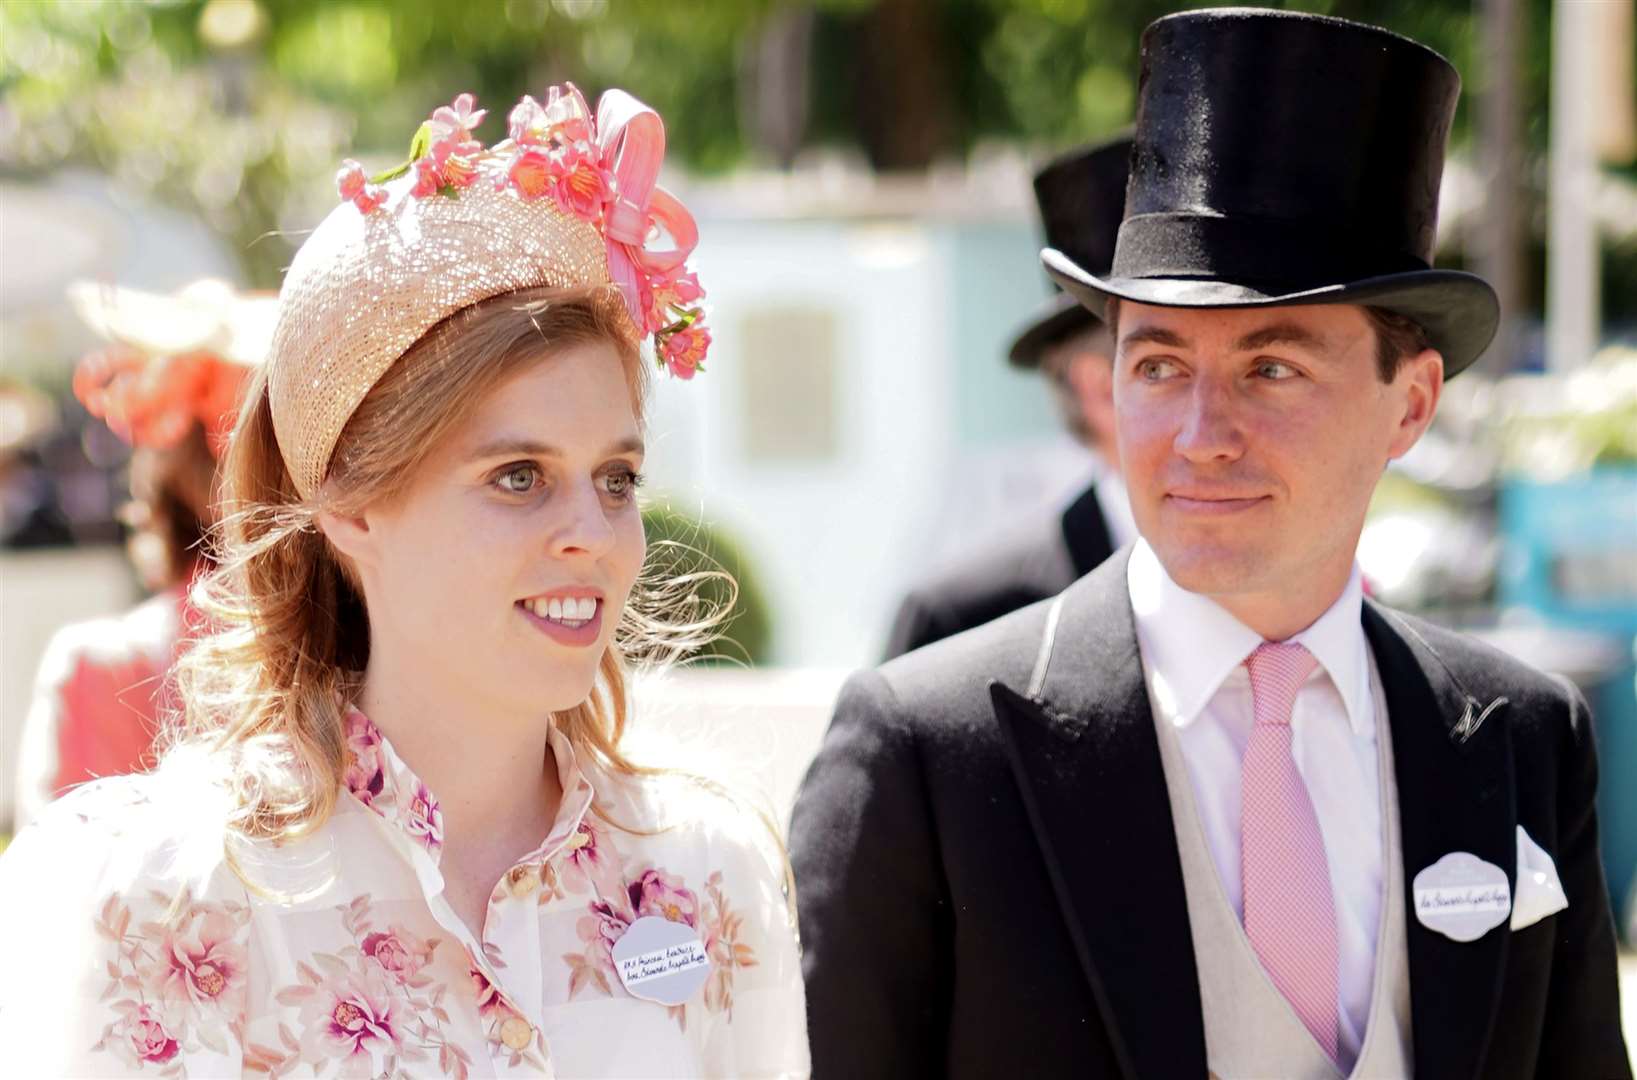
(398, 834)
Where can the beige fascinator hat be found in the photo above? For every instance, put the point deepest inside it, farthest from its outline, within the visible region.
(567, 200)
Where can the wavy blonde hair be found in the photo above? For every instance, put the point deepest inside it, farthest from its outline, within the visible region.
(268, 685)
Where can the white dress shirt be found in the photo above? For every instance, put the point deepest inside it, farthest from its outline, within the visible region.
(1193, 654)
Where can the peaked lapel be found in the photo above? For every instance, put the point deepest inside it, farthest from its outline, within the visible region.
(1082, 744)
(1455, 793)
(1086, 534)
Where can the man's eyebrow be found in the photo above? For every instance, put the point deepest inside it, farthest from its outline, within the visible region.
(1284, 333)
(1154, 335)
(507, 447)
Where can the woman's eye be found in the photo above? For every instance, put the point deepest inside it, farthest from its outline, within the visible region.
(622, 485)
(518, 479)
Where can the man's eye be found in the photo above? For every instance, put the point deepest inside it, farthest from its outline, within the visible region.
(1275, 369)
(519, 479)
(1153, 370)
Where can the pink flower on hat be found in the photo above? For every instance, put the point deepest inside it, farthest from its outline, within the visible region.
(355, 187)
(457, 118)
(685, 349)
(677, 289)
(526, 124)
(582, 185)
(428, 180)
(601, 169)
(567, 113)
(531, 174)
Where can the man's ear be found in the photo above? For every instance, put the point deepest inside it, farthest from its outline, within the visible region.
(1419, 383)
(350, 536)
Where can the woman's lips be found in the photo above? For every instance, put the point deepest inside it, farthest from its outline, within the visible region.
(578, 620)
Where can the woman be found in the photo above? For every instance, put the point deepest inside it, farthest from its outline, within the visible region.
(168, 383)
(398, 835)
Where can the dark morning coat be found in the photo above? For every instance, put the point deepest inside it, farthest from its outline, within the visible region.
(989, 884)
(1027, 565)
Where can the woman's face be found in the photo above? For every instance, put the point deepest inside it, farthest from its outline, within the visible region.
(504, 568)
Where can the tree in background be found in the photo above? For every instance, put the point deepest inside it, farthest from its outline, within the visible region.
(240, 109)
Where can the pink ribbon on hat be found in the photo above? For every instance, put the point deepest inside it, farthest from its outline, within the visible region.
(632, 138)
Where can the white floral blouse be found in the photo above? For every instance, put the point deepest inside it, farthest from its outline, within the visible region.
(129, 946)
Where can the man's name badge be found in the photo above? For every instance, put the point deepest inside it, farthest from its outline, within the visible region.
(663, 961)
(1462, 897)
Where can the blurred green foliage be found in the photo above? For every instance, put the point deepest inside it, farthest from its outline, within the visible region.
(241, 109)
(706, 576)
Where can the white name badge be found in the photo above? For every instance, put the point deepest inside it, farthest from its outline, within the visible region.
(663, 961)
(1462, 897)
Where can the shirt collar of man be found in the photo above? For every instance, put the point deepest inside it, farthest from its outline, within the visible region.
(1192, 644)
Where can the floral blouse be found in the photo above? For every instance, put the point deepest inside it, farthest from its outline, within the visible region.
(129, 946)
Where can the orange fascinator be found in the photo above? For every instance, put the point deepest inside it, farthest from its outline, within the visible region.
(173, 360)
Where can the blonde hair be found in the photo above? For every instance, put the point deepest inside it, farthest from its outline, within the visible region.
(269, 684)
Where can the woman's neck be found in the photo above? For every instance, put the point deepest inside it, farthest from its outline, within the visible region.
(493, 773)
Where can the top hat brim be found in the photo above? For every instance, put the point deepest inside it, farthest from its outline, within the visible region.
(1458, 311)
(1060, 317)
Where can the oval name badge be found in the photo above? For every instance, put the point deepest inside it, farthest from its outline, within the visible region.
(1462, 897)
(662, 961)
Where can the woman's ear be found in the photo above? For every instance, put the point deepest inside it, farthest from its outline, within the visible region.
(350, 536)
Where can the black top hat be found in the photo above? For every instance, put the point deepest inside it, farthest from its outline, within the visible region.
(1284, 158)
(1081, 195)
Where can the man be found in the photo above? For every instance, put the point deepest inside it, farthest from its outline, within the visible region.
(1209, 810)
(1080, 197)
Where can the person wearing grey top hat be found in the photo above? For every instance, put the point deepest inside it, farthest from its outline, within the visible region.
(1211, 811)
(1080, 196)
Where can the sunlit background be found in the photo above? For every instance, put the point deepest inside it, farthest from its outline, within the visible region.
(860, 170)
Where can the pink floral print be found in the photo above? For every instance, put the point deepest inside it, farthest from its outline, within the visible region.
(383, 979)
(178, 980)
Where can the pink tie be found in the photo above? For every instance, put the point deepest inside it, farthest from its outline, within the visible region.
(1290, 913)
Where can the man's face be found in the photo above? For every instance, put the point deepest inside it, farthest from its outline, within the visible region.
(1252, 439)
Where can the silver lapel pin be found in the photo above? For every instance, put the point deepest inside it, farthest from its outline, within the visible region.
(1470, 721)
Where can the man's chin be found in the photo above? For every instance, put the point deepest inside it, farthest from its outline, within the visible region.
(1212, 568)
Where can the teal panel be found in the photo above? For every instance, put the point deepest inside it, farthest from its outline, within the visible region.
(997, 283)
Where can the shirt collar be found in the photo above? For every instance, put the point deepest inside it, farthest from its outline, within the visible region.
(377, 777)
(1192, 644)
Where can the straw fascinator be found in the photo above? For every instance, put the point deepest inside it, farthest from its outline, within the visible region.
(568, 199)
(173, 359)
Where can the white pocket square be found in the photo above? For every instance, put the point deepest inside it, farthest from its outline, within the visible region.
(1539, 892)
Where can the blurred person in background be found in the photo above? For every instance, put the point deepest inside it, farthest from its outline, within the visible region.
(1081, 196)
(29, 514)
(1210, 810)
(168, 383)
(398, 832)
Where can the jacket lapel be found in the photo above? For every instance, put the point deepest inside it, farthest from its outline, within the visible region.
(1086, 533)
(1454, 794)
(1081, 741)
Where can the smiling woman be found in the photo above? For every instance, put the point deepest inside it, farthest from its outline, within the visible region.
(396, 831)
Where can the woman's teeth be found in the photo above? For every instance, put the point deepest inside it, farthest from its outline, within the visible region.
(570, 611)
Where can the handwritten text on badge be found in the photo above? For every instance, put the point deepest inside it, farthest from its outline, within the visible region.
(663, 961)
(1462, 897)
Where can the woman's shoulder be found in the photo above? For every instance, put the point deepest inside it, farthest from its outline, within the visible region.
(162, 831)
(126, 936)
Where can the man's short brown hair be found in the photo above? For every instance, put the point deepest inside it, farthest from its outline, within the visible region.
(1398, 337)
